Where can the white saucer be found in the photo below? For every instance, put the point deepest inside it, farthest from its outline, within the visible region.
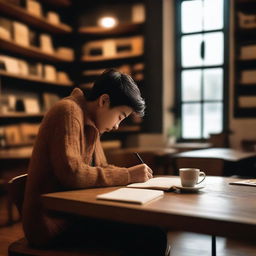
(192, 189)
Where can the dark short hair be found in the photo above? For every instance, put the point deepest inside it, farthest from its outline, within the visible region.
(121, 89)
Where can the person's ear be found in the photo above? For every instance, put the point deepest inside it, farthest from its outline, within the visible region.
(104, 100)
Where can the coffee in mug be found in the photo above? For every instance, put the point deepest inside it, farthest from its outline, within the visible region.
(189, 176)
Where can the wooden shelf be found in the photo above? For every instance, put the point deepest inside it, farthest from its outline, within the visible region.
(118, 57)
(35, 79)
(30, 19)
(21, 115)
(60, 3)
(31, 51)
(118, 30)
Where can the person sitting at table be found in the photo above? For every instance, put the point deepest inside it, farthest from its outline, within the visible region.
(67, 155)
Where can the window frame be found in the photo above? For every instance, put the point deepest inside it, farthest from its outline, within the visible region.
(178, 71)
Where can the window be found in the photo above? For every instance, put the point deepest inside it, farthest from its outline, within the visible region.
(201, 65)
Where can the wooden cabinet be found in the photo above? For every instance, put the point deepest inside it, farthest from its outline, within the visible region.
(245, 58)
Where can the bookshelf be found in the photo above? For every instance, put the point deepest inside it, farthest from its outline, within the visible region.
(245, 59)
(30, 74)
(39, 22)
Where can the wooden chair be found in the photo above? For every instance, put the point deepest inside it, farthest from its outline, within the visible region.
(16, 189)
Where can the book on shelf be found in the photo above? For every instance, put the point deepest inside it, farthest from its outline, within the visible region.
(46, 44)
(49, 99)
(34, 7)
(5, 28)
(159, 183)
(50, 72)
(20, 33)
(53, 17)
(10, 64)
(131, 195)
(246, 182)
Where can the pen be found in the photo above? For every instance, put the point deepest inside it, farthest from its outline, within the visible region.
(137, 154)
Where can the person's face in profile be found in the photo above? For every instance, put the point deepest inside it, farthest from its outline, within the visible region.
(109, 118)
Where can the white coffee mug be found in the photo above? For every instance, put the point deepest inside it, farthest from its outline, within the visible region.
(189, 176)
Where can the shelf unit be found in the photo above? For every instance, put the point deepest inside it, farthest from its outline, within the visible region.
(34, 85)
(245, 64)
(30, 19)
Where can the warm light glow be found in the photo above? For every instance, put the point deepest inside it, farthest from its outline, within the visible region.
(107, 22)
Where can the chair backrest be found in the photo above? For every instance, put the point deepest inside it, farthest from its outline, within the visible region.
(16, 190)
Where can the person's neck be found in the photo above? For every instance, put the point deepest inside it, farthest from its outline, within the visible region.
(91, 109)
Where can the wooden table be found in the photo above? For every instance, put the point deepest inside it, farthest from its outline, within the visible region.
(219, 209)
(222, 161)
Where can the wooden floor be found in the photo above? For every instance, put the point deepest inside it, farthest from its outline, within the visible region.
(183, 244)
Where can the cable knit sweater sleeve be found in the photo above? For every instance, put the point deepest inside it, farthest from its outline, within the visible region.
(67, 144)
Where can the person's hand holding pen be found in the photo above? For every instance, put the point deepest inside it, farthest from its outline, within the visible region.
(141, 172)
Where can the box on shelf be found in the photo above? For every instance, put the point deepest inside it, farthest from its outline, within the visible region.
(247, 21)
(28, 132)
(20, 33)
(5, 28)
(31, 105)
(121, 47)
(66, 52)
(46, 44)
(12, 135)
(248, 77)
(34, 7)
(35, 69)
(138, 13)
(63, 77)
(11, 64)
(248, 52)
(49, 99)
(50, 72)
(23, 66)
(53, 17)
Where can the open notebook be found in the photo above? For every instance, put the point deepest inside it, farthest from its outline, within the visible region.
(141, 193)
(251, 182)
(160, 183)
(131, 195)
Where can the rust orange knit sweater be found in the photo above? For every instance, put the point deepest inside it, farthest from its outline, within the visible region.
(61, 159)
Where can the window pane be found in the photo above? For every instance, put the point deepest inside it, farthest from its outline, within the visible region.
(213, 14)
(190, 51)
(214, 52)
(191, 121)
(213, 84)
(212, 118)
(191, 16)
(191, 85)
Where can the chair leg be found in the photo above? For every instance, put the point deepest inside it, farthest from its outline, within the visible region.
(213, 245)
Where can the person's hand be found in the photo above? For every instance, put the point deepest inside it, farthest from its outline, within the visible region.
(140, 173)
